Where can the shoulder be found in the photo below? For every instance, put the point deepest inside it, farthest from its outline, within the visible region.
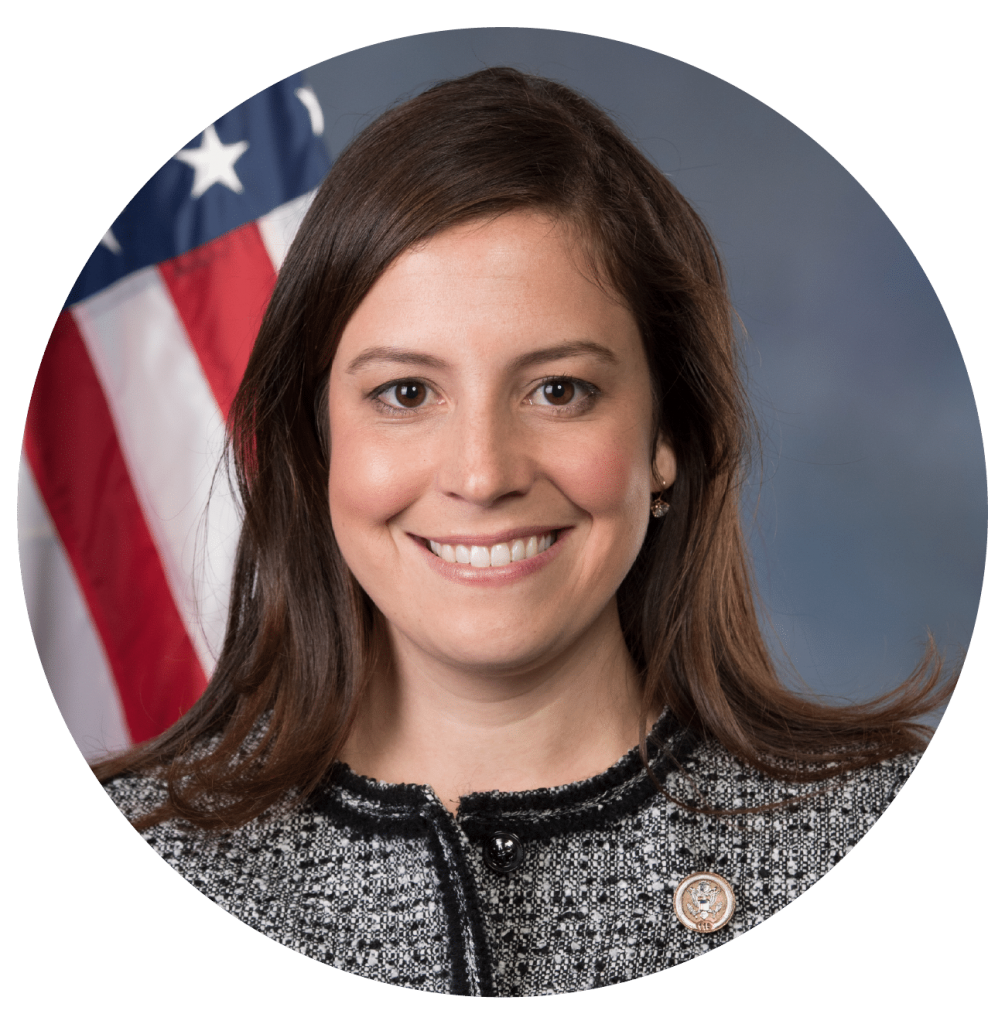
(207, 858)
(845, 805)
(725, 774)
(136, 794)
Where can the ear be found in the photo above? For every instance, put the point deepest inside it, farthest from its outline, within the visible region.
(664, 465)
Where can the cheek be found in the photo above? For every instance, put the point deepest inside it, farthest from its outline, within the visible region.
(609, 480)
(369, 480)
(608, 477)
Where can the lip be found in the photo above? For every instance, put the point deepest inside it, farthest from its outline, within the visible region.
(492, 576)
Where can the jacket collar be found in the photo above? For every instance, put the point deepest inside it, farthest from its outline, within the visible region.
(539, 813)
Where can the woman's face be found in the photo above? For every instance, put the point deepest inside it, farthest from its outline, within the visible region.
(490, 420)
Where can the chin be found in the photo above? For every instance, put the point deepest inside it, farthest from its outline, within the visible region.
(500, 664)
(480, 650)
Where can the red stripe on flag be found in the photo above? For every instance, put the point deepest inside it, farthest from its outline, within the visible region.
(72, 448)
(221, 290)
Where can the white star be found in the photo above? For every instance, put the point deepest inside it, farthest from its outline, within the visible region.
(109, 241)
(308, 98)
(213, 162)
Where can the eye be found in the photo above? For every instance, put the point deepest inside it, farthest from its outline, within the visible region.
(562, 391)
(404, 394)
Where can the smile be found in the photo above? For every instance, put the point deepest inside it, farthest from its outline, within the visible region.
(490, 556)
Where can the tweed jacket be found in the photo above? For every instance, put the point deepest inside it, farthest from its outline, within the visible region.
(380, 880)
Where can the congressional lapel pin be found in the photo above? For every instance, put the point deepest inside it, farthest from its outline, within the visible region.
(704, 902)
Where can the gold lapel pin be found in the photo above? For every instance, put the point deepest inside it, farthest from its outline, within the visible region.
(704, 902)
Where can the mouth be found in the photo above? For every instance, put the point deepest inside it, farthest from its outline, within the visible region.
(493, 555)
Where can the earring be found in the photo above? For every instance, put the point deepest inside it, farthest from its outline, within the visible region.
(658, 507)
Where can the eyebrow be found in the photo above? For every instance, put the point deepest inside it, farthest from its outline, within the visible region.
(401, 356)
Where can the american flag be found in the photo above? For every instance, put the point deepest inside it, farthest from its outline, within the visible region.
(127, 530)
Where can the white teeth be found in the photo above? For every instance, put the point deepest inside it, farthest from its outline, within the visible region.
(482, 557)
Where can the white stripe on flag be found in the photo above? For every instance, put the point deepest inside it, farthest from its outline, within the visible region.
(171, 433)
(279, 227)
(68, 645)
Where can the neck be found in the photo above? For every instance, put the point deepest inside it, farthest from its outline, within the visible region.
(461, 731)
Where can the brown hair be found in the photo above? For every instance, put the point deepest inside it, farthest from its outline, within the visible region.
(302, 637)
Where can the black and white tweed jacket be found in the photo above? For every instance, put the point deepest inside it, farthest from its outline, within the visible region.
(380, 880)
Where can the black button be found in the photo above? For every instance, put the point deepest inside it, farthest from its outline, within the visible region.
(503, 852)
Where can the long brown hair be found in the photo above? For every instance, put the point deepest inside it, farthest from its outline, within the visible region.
(302, 636)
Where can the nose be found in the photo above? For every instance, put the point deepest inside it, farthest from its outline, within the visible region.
(484, 457)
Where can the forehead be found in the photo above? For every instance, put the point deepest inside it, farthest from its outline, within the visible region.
(522, 278)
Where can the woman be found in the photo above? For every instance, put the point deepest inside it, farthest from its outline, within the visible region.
(489, 445)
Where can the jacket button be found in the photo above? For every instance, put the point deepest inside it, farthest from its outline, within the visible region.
(503, 852)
